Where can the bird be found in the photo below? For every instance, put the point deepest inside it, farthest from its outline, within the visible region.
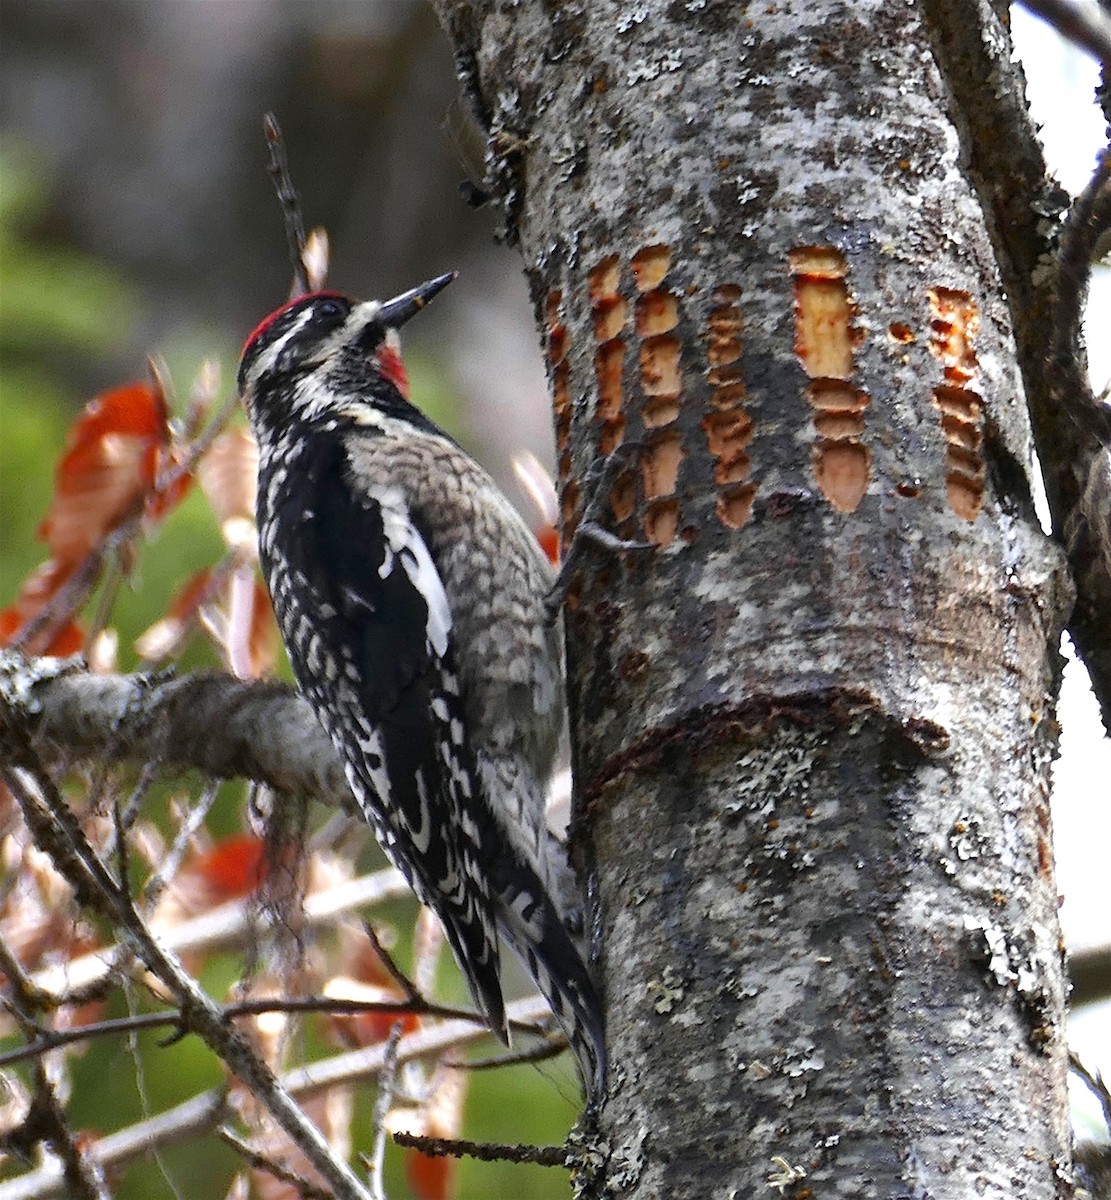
(410, 595)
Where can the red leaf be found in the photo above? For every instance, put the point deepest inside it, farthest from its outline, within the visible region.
(110, 463)
(369, 1028)
(231, 868)
(548, 537)
(431, 1178)
(39, 588)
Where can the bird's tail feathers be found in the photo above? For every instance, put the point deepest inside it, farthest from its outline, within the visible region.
(533, 928)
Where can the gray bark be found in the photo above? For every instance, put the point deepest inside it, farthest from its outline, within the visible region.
(813, 724)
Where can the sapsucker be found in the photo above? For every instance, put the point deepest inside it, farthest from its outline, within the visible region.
(410, 596)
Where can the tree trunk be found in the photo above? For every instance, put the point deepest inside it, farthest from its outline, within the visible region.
(814, 722)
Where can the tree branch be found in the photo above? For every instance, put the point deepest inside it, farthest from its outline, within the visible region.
(262, 1162)
(45, 1121)
(57, 832)
(1087, 28)
(266, 731)
(545, 1156)
(202, 1113)
(1046, 280)
(1080, 489)
(47, 1040)
(222, 927)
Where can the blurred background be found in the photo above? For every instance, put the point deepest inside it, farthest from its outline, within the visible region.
(137, 218)
(134, 180)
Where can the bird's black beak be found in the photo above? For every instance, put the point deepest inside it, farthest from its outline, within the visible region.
(394, 313)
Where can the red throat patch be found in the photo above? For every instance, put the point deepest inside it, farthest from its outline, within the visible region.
(391, 365)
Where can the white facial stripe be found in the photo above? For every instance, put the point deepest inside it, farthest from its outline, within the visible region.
(270, 356)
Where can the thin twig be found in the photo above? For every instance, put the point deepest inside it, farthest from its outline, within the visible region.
(147, 777)
(262, 1162)
(122, 849)
(1088, 28)
(291, 205)
(46, 1040)
(26, 998)
(45, 1121)
(541, 1052)
(52, 1039)
(83, 1177)
(383, 1102)
(1095, 1084)
(200, 1113)
(1087, 221)
(408, 988)
(171, 860)
(57, 832)
(65, 602)
(544, 1156)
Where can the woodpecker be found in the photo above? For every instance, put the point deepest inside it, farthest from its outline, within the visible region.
(410, 596)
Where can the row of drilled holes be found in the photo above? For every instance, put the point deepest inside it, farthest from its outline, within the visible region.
(826, 342)
(728, 429)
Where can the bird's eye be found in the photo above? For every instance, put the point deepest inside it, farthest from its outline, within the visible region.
(330, 309)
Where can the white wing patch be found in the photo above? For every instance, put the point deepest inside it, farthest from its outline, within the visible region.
(406, 547)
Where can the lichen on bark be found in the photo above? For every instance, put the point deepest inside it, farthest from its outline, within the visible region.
(813, 722)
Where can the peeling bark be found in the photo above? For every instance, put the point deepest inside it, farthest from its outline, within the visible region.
(814, 722)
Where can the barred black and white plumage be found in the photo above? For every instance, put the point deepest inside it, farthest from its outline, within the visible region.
(410, 596)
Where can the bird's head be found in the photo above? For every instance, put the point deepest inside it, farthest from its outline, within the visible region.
(325, 352)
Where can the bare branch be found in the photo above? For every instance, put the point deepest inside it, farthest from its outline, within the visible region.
(408, 988)
(45, 1121)
(267, 732)
(291, 205)
(52, 1039)
(47, 1040)
(534, 1054)
(544, 1156)
(1087, 221)
(523, 1015)
(1087, 27)
(262, 1162)
(202, 1113)
(1079, 485)
(57, 831)
(382, 1104)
